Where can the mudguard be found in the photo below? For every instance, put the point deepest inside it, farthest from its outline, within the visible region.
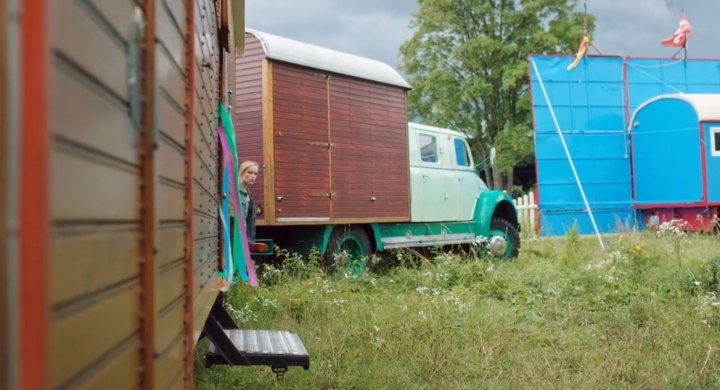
(493, 203)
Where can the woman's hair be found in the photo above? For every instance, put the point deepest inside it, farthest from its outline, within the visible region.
(247, 164)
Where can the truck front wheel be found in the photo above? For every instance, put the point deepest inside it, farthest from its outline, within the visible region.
(504, 241)
(348, 250)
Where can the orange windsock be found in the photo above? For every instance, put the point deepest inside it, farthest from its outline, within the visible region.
(580, 53)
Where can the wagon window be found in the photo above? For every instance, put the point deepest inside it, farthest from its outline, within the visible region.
(428, 148)
(462, 157)
(715, 137)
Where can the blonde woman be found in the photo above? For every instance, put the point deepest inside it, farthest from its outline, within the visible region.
(248, 174)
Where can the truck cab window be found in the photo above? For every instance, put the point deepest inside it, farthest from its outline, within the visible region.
(462, 156)
(428, 148)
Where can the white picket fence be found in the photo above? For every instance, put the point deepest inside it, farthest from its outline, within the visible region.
(527, 212)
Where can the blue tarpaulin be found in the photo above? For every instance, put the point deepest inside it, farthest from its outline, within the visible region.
(592, 105)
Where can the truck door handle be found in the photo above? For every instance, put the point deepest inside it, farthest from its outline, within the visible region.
(461, 179)
(426, 177)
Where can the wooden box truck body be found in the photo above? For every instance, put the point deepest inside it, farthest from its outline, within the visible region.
(341, 168)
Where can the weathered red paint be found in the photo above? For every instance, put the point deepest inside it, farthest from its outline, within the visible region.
(34, 220)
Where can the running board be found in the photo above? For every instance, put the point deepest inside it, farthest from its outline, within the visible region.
(242, 347)
(410, 241)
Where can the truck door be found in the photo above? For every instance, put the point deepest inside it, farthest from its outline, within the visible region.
(429, 188)
(468, 184)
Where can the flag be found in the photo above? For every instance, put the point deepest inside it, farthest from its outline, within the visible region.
(679, 38)
(580, 53)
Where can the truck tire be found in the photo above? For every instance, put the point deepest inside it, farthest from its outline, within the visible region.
(348, 250)
(505, 230)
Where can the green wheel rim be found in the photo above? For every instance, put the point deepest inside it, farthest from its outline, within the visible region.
(356, 256)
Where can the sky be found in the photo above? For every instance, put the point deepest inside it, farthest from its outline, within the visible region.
(376, 28)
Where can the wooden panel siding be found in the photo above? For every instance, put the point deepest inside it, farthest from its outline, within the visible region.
(369, 154)
(301, 156)
(94, 330)
(6, 189)
(94, 253)
(171, 267)
(329, 143)
(205, 159)
(248, 118)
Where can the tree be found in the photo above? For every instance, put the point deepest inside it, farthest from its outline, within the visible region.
(467, 62)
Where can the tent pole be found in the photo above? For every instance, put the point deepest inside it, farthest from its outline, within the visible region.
(567, 154)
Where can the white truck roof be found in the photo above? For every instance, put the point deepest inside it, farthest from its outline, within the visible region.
(300, 53)
(420, 126)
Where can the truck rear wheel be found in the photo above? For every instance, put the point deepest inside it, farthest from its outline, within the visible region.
(348, 250)
(504, 241)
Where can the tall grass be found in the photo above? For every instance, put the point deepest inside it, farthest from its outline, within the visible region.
(644, 313)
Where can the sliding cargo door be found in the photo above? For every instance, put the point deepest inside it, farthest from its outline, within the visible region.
(301, 145)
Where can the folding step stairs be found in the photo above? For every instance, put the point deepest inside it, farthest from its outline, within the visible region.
(242, 347)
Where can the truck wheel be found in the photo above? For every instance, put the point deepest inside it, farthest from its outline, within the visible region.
(504, 241)
(348, 249)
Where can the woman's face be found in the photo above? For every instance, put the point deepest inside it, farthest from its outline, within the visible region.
(249, 175)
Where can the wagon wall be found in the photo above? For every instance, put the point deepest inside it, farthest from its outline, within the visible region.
(334, 147)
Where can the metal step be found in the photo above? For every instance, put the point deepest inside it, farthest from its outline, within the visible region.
(262, 348)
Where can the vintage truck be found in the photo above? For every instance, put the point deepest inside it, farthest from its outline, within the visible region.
(342, 170)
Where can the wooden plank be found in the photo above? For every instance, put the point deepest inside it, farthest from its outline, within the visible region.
(82, 182)
(88, 115)
(170, 160)
(170, 203)
(5, 190)
(203, 302)
(169, 285)
(98, 256)
(179, 13)
(90, 331)
(120, 369)
(118, 12)
(170, 243)
(169, 78)
(168, 326)
(170, 36)
(208, 250)
(170, 121)
(74, 30)
(169, 366)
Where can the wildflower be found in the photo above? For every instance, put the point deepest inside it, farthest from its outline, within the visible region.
(638, 248)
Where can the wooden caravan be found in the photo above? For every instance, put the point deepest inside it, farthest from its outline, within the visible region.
(329, 129)
(109, 206)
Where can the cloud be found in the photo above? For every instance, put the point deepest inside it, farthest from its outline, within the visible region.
(371, 28)
(376, 28)
(636, 28)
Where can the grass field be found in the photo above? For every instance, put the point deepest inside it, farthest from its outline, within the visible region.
(644, 314)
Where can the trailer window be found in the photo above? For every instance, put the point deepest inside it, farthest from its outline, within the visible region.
(462, 156)
(428, 148)
(715, 138)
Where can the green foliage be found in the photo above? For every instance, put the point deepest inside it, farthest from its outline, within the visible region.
(467, 62)
(644, 313)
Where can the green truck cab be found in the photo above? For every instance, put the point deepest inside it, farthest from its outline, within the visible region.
(449, 204)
